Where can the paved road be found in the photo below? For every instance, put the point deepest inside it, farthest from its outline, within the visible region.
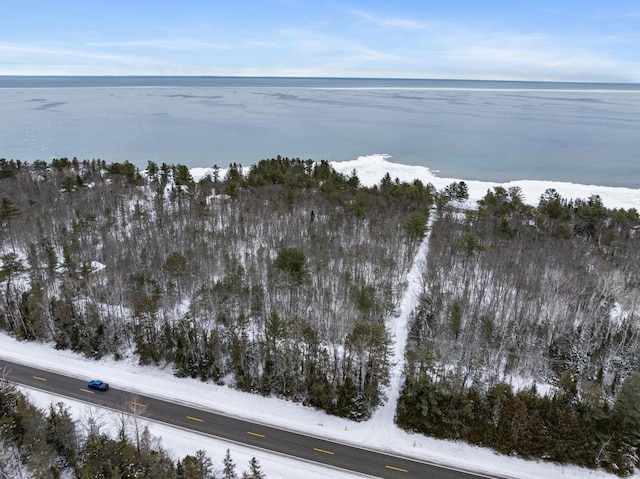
(321, 451)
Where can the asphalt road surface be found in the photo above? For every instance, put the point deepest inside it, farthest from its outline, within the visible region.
(321, 451)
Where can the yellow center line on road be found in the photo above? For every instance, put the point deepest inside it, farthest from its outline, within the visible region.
(255, 434)
(396, 469)
(39, 378)
(138, 404)
(323, 451)
(86, 391)
(196, 419)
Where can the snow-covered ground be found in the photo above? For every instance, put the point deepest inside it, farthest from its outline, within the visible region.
(398, 325)
(375, 434)
(378, 433)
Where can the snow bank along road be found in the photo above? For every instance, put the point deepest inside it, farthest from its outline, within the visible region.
(309, 448)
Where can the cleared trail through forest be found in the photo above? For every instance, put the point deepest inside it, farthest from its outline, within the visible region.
(397, 326)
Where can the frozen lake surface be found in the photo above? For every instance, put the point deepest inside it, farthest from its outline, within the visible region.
(493, 131)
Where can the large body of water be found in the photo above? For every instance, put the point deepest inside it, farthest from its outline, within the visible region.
(483, 130)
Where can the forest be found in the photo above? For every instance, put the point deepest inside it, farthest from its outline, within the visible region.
(51, 444)
(277, 280)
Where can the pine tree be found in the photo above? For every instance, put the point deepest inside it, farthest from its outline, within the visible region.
(229, 471)
(255, 471)
(293, 263)
(8, 211)
(12, 265)
(195, 467)
(61, 433)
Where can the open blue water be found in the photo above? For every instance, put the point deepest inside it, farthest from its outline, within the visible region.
(486, 130)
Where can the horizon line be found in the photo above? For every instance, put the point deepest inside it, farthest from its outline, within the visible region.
(289, 77)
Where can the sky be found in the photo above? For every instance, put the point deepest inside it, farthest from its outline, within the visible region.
(550, 40)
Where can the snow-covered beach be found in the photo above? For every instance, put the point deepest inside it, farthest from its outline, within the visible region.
(372, 168)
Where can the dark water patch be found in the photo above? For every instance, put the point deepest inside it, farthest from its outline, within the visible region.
(199, 97)
(50, 106)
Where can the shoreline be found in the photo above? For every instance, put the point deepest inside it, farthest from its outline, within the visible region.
(372, 168)
(214, 81)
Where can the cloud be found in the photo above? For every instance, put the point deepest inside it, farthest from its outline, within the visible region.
(392, 22)
(161, 43)
(355, 43)
(436, 47)
(547, 57)
(62, 53)
(440, 51)
(306, 41)
(46, 60)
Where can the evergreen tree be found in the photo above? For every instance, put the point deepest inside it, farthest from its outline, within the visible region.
(10, 268)
(61, 433)
(229, 470)
(293, 263)
(416, 226)
(255, 471)
(8, 211)
(199, 466)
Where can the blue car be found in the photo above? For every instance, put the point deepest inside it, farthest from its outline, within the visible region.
(97, 385)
